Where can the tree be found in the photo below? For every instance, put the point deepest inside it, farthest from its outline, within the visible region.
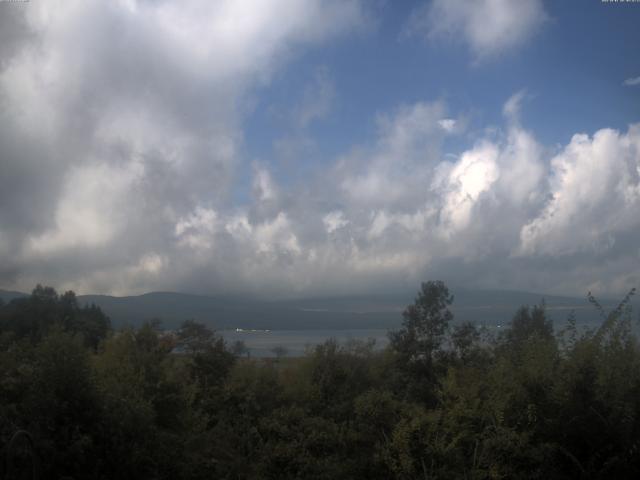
(280, 351)
(417, 345)
(195, 337)
(35, 316)
(464, 337)
(425, 323)
(239, 348)
(210, 362)
(63, 406)
(527, 323)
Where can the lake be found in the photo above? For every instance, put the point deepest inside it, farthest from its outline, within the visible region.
(262, 342)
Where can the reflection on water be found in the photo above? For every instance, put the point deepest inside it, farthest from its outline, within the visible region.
(261, 343)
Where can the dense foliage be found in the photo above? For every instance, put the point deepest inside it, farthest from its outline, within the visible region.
(444, 400)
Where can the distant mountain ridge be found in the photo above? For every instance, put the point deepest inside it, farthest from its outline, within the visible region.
(490, 307)
(8, 295)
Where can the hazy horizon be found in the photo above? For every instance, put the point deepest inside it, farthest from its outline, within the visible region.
(407, 294)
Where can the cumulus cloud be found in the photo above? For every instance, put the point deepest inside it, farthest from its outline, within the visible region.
(488, 27)
(595, 191)
(469, 178)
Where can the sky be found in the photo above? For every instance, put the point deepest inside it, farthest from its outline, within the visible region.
(301, 148)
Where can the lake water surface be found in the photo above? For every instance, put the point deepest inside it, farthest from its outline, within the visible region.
(261, 343)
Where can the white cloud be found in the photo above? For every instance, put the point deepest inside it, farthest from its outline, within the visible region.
(157, 92)
(489, 27)
(631, 82)
(88, 212)
(317, 99)
(197, 229)
(334, 220)
(448, 124)
(471, 176)
(276, 236)
(426, 214)
(151, 264)
(239, 228)
(522, 168)
(595, 196)
(263, 185)
(406, 149)
(513, 105)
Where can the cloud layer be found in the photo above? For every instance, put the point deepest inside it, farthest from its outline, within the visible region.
(122, 146)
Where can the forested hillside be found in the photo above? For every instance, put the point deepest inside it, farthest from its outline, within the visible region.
(444, 400)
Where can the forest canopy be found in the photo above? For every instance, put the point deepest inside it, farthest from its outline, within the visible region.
(443, 400)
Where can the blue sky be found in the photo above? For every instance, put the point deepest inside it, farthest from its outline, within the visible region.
(319, 147)
(572, 70)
